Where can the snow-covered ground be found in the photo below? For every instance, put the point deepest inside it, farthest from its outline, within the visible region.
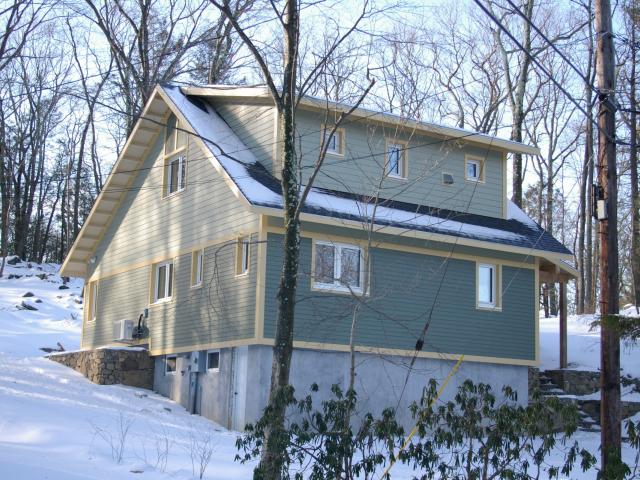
(57, 425)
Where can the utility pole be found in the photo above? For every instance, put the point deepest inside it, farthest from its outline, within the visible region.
(607, 216)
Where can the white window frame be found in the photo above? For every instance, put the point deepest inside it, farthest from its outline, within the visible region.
(166, 365)
(197, 268)
(401, 149)
(243, 256)
(336, 285)
(181, 176)
(337, 139)
(494, 290)
(479, 162)
(168, 286)
(92, 303)
(213, 369)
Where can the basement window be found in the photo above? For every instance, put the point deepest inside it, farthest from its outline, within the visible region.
(213, 360)
(338, 267)
(170, 364)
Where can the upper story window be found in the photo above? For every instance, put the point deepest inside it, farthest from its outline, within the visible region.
(335, 142)
(338, 267)
(488, 278)
(197, 268)
(175, 142)
(163, 281)
(474, 169)
(396, 161)
(242, 255)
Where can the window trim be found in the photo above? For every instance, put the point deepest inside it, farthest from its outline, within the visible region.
(340, 139)
(336, 287)
(404, 160)
(154, 283)
(216, 369)
(481, 165)
(241, 255)
(181, 156)
(92, 301)
(195, 257)
(496, 287)
(166, 363)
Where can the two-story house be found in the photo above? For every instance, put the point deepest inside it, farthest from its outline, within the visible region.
(408, 227)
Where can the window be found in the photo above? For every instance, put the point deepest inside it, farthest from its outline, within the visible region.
(474, 169)
(338, 267)
(163, 284)
(242, 256)
(197, 268)
(170, 364)
(92, 300)
(488, 281)
(213, 360)
(175, 140)
(396, 160)
(335, 142)
(175, 175)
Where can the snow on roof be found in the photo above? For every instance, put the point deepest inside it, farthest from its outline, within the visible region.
(260, 188)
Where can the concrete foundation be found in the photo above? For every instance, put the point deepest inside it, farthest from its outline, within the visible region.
(237, 393)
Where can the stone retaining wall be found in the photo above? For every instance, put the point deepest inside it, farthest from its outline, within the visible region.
(104, 366)
(575, 382)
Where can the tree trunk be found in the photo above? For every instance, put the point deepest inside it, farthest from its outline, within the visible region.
(633, 159)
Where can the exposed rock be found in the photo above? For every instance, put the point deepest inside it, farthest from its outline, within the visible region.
(107, 367)
(13, 275)
(27, 295)
(13, 260)
(42, 276)
(27, 306)
(63, 287)
(37, 300)
(78, 300)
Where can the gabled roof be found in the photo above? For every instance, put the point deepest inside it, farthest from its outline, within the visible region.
(256, 187)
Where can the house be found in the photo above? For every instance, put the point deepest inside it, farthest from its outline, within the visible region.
(408, 220)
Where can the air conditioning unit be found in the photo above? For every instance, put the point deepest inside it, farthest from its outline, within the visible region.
(123, 330)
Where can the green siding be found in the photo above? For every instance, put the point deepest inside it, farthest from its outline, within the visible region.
(222, 309)
(254, 124)
(361, 167)
(147, 226)
(403, 288)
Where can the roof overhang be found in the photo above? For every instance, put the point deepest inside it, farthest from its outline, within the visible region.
(118, 182)
(313, 103)
(555, 269)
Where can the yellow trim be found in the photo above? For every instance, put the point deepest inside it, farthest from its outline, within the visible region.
(343, 348)
(505, 187)
(340, 140)
(498, 286)
(401, 352)
(536, 310)
(172, 253)
(403, 248)
(261, 275)
(404, 232)
(205, 346)
(474, 158)
(404, 169)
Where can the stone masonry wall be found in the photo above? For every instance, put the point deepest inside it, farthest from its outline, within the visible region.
(104, 366)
